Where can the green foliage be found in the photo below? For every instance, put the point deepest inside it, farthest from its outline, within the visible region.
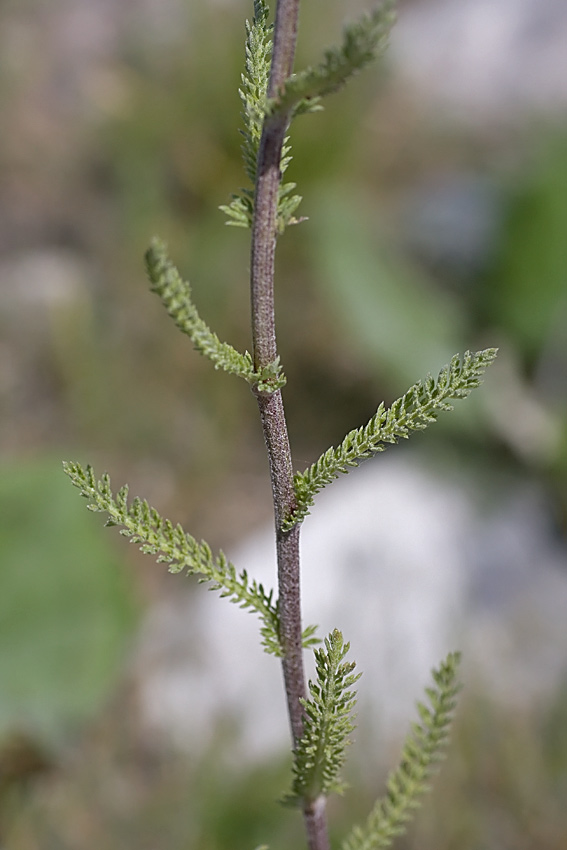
(253, 95)
(378, 298)
(142, 524)
(320, 753)
(414, 411)
(67, 613)
(533, 249)
(422, 751)
(287, 201)
(175, 294)
(255, 84)
(363, 41)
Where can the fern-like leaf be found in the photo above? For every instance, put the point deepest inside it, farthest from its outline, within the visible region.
(253, 95)
(414, 411)
(176, 296)
(287, 201)
(327, 723)
(422, 751)
(255, 84)
(157, 536)
(363, 41)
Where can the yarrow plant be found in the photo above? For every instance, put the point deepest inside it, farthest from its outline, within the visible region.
(320, 713)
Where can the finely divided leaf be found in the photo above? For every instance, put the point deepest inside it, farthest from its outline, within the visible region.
(414, 411)
(176, 296)
(423, 749)
(363, 41)
(327, 723)
(253, 96)
(157, 536)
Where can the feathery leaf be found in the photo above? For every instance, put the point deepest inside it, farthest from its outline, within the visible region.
(176, 296)
(422, 751)
(157, 536)
(363, 41)
(327, 723)
(414, 411)
(253, 95)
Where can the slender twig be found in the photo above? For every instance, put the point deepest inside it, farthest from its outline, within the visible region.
(264, 235)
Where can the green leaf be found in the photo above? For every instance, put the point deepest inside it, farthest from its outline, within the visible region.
(414, 411)
(143, 525)
(363, 41)
(422, 751)
(176, 296)
(327, 722)
(253, 96)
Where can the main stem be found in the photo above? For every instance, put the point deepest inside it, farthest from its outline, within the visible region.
(262, 263)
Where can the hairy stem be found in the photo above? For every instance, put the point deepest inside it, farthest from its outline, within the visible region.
(262, 262)
(285, 39)
(287, 543)
(315, 817)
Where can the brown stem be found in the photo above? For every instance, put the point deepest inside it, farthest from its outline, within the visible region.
(287, 544)
(285, 39)
(265, 224)
(315, 817)
(262, 262)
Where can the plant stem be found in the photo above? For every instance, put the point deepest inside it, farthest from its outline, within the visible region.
(265, 224)
(287, 545)
(262, 263)
(285, 39)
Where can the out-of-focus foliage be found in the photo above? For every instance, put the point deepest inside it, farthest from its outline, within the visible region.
(382, 299)
(67, 612)
(526, 292)
(524, 295)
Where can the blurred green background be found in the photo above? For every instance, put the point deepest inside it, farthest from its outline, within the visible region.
(120, 120)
